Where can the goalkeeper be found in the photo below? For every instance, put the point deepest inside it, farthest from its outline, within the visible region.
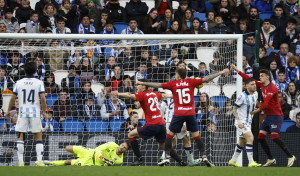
(108, 154)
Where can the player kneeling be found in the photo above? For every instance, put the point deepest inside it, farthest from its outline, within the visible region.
(245, 104)
(108, 154)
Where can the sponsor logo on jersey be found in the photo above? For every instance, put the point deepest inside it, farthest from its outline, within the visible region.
(156, 116)
(182, 108)
(273, 126)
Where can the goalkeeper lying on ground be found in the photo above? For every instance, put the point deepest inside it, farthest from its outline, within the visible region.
(108, 154)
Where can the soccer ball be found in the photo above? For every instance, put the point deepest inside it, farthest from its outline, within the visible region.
(201, 85)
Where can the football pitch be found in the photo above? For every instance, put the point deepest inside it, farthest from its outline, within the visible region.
(146, 171)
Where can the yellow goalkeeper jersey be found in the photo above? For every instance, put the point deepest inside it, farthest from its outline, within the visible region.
(109, 152)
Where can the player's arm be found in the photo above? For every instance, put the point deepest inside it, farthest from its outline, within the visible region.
(149, 84)
(11, 103)
(43, 103)
(244, 76)
(127, 95)
(239, 122)
(265, 103)
(213, 76)
(167, 96)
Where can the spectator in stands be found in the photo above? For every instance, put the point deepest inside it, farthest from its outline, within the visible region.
(273, 71)
(161, 6)
(10, 125)
(295, 128)
(61, 27)
(50, 12)
(85, 27)
(290, 6)
(279, 19)
(210, 22)
(263, 5)
(116, 12)
(291, 35)
(198, 6)
(292, 95)
(226, 121)
(131, 123)
(2, 27)
(234, 22)
(141, 73)
(85, 70)
(283, 56)
(5, 82)
(144, 57)
(162, 50)
(253, 16)
(151, 23)
(117, 78)
(3, 6)
(114, 108)
(44, 26)
(16, 104)
(264, 59)
(183, 6)
(243, 28)
(220, 27)
(48, 122)
(11, 23)
(32, 25)
(94, 13)
(155, 70)
(170, 60)
(224, 10)
(108, 29)
(23, 12)
(15, 68)
(105, 71)
(244, 8)
(165, 23)
(296, 16)
(62, 107)
(268, 35)
(281, 83)
(71, 82)
(137, 9)
(218, 63)
(131, 29)
(56, 57)
(292, 71)
(43, 68)
(126, 59)
(296, 111)
(196, 27)
(187, 20)
(50, 86)
(89, 109)
(203, 105)
(247, 69)
(174, 28)
(249, 48)
(39, 6)
(286, 108)
(85, 91)
(202, 70)
(75, 58)
(103, 19)
(93, 51)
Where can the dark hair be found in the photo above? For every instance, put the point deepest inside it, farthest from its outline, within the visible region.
(60, 19)
(267, 20)
(181, 72)
(132, 113)
(211, 11)
(244, 20)
(297, 114)
(33, 12)
(249, 80)
(142, 63)
(281, 71)
(104, 11)
(30, 68)
(144, 80)
(128, 144)
(63, 90)
(265, 71)
(278, 6)
(292, 20)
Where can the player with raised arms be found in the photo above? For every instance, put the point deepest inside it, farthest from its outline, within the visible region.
(183, 94)
(245, 104)
(31, 94)
(108, 154)
(273, 120)
(155, 124)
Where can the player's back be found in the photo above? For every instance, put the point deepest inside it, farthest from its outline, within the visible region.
(273, 107)
(149, 103)
(28, 90)
(246, 104)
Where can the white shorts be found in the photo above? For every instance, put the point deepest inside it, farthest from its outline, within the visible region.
(32, 123)
(242, 131)
(181, 134)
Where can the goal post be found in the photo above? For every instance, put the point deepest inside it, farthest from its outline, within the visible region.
(91, 125)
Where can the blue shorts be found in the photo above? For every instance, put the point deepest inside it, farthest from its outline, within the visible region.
(177, 123)
(272, 123)
(158, 131)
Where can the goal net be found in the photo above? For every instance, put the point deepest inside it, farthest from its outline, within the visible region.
(80, 71)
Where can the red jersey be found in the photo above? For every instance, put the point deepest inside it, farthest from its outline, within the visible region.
(149, 103)
(183, 95)
(270, 94)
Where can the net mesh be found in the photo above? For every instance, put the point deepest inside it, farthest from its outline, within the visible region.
(80, 74)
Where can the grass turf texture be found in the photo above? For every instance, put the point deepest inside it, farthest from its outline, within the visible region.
(146, 171)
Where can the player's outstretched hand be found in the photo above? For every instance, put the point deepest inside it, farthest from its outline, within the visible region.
(225, 71)
(234, 68)
(255, 111)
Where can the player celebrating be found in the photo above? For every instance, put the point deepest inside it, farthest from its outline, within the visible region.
(155, 124)
(108, 154)
(245, 104)
(30, 92)
(183, 93)
(273, 120)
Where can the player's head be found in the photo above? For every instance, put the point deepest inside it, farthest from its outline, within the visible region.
(180, 73)
(141, 88)
(251, 85)
(30, 68)
(264, 76)
(124, 147)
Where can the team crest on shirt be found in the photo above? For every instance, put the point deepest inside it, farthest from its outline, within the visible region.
(273, 126)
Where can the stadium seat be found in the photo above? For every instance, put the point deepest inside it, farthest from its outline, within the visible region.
(194, 62)
(116, 124)
(205, 54)
(2, 121)
(211, 89)
(208, 6)
(196, 99)
(59, 75)
(51, 99)
(96, 125)
(143, 121)
(266, 15)
(129, 73)
(229, 89)
(200, 16)
(285, 124)
(120, 26)
(97, 87)
(72, 125)
(107, 52)
(5, 100)
(220, 100)
(253, 3)
(269, 51)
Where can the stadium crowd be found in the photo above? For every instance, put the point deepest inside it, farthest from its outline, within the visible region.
(279, 49)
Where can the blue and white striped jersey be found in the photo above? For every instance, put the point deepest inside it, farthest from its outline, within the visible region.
(28, 91)
(246, 104)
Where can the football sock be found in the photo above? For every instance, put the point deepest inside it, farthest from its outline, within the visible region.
(275, 138)
(20, 148)
(58, 163)
(175, 156)
(265, 147)
(237, 152)
(200, 145)
(189, 154)
(39, 147)
(249, 150)
(135, 147)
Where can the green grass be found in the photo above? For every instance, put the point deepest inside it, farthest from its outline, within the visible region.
(146, 171)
